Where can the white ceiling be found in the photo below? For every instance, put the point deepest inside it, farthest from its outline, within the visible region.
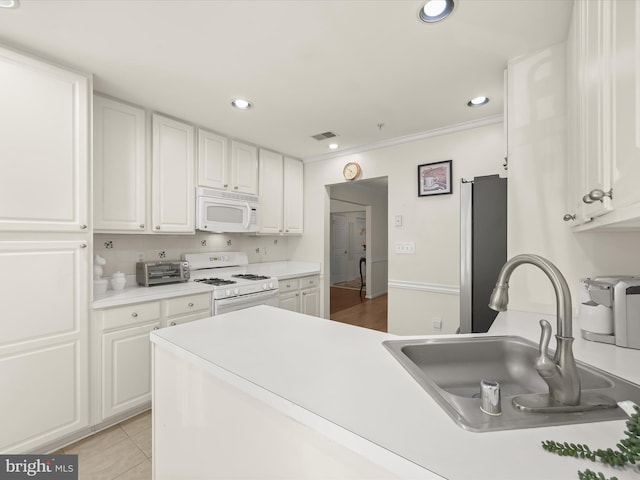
(308, 66)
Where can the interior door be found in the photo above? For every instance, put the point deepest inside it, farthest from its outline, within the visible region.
(339, 247)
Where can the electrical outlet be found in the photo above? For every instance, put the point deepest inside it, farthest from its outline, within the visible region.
(140, 257)
(406, 248)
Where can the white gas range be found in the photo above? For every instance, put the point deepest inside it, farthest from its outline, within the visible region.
(233, 288)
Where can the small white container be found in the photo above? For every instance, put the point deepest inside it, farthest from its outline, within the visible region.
(118, 281)
(596, 318)
(100, 286)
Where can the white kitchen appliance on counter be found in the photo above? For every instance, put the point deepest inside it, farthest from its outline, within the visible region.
(233, 287)
(610, 310)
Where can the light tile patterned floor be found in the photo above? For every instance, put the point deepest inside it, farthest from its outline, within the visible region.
(121, 452)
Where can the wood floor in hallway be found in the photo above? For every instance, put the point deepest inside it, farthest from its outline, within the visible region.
(347, 306)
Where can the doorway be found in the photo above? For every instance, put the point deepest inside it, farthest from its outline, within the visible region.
(357, 250)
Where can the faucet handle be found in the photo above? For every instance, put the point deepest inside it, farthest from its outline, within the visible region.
(544, 365)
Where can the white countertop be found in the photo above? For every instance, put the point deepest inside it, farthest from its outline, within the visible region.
(136, 293)
(342, 375)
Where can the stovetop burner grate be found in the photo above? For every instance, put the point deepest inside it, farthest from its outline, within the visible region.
(251, 276)
(215, 281)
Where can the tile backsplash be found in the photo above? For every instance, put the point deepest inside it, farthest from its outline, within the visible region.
(121, 252)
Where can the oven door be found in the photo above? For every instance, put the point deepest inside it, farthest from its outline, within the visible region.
(226, 305)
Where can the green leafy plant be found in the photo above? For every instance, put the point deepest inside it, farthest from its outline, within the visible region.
(627, 450)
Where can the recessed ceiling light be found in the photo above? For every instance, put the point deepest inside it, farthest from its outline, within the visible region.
(333, 146)
(478, 101)
(241, 103)
(435, 10)
(9, 3)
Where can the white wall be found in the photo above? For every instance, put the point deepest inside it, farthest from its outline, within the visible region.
(536, 198)
(416, 281)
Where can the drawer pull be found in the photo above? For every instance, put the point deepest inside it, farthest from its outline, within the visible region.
(173, 324)
(134, 314)
(191, 304)
(156, 328)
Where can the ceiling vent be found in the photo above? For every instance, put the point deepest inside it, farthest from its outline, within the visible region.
(323, 136)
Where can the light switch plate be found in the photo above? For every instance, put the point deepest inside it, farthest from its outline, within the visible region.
(407, 248)
(397, 221)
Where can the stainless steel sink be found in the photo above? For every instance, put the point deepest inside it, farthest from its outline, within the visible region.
(451, 369)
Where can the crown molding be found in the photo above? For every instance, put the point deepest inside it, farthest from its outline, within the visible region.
(414, 137)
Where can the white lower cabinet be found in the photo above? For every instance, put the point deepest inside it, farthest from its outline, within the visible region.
(122, 351)
(44, 374)
(300, 295)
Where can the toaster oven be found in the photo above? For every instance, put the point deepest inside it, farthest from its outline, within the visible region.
(161, 272)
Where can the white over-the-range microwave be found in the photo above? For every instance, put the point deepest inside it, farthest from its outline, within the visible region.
(226, 212)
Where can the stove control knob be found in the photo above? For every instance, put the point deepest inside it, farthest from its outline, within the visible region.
(227, 293)
(265, 286)
(236, 291)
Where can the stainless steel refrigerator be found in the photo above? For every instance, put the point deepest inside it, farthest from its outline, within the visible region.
(483, 248)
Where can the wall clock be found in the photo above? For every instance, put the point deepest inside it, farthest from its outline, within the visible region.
(351, 170)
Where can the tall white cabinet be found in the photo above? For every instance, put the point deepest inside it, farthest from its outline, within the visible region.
(45, 251)
(603, 58)
(281, 194)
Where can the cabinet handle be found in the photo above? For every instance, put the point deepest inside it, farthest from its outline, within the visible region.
(597, 195)
(304, 293)
(191, 304)
(156, 328)
(568, 217)
(288, 285)
(235, 188)
(287, 230)
(142, 225)
(157, 227)
(173, 324)
(134, 314)
(297, 294)
(83, 245)
(83, 227)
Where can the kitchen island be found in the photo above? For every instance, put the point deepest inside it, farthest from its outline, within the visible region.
(267, 393)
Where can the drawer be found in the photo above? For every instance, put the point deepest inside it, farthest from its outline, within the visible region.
(187, 305)
(307, 282)
(130, 315)
(288, 285)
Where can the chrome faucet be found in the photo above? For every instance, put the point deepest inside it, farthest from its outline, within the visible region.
(561, 373)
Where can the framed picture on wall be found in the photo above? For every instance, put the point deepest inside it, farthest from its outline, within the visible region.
(434, 178)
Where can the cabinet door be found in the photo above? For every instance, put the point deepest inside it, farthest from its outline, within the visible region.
(271, 189)
(44, 372)
(43, 146)
(293, 195)
(119, 166)
(213, 162)
(289, 301)
(310, 303)
(126, 369)
(173, 183)
(626, 104)
(596, 102)
(244, 168)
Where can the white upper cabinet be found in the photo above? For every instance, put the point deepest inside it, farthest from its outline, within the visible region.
(173, 179)
(281, 194)
(213, 160)
(119, 166)
(271, 189)
(44, 147)
(244, 168)
(219, 168)
(293, 193)
(626, 106)
(604, 115)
